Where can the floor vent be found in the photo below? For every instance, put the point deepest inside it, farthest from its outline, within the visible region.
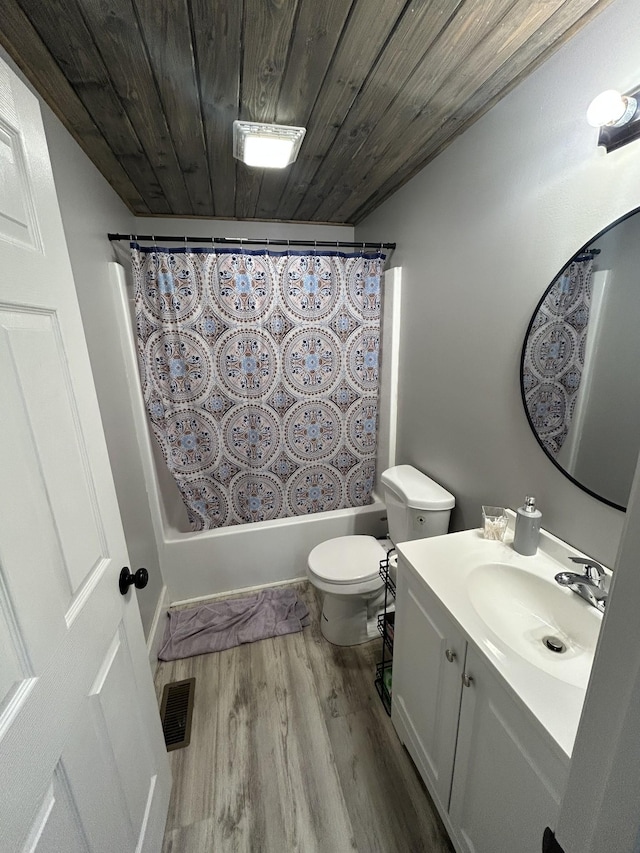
(176, 712)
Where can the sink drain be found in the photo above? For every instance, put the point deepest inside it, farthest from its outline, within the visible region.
(554, 645)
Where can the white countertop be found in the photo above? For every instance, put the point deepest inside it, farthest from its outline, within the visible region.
(445, 563)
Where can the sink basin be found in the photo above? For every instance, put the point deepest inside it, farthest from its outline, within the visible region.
(524, 610)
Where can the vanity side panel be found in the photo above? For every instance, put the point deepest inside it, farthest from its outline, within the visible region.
(426, 685)
(507, 781)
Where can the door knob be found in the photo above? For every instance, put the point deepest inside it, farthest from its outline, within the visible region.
(450, 655)
(139, 579)
(467, 680)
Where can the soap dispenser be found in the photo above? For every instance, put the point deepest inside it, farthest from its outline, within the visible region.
(525, 540)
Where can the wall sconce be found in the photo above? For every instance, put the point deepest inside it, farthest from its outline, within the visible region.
(267, 146)
(617, 116)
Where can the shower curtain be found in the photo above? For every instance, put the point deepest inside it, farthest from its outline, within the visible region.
(260, 376)
(554, 355)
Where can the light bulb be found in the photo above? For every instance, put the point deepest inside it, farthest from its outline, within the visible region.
(267, 152)
(611, 109)
(267, 146)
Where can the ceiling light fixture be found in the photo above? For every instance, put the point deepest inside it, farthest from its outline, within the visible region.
(617, 116)
(268, 146)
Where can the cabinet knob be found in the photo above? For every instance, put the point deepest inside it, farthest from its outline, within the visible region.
(467, 680)
(450, 655)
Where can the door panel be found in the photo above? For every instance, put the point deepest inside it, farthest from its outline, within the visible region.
(15, 670)
(17, 210)
(37, 351)
(116, 675)
(25, 509)
(57, 825)
(49, 463)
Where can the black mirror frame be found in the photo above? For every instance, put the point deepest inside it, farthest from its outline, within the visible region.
(580, 251)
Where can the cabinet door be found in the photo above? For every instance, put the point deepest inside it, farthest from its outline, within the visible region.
(507, 780)
(428, 660)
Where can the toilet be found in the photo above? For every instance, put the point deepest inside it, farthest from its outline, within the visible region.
(346, 569)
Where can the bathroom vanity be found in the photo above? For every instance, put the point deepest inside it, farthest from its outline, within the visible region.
(486, 709)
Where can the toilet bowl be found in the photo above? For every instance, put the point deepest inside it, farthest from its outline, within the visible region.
(347, 569)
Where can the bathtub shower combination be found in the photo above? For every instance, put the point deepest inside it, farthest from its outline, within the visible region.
(242, 555)
(260, 378)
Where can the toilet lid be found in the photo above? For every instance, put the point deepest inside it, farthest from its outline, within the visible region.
(347, 559)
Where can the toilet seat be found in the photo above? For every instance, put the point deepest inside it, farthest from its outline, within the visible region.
(347, 564)
(347, 570)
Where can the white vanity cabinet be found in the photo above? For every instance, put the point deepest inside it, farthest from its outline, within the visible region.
(490, 767)
(428, 664)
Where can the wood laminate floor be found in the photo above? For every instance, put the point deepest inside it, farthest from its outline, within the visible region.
(292, 752)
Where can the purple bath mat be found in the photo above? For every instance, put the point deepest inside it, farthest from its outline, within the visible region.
(224, 624)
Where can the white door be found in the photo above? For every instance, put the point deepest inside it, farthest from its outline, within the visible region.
(82, 760)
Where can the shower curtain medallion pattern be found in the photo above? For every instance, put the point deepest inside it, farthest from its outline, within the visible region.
(554, 356)
(260, 376)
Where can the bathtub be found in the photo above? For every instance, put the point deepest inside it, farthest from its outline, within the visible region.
(205, 563)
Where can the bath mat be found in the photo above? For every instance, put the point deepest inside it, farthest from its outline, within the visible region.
(223, 624)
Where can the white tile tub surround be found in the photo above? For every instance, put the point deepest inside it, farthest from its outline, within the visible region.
(198, 565)
(202, 564)
(389, 365)
(156, 631)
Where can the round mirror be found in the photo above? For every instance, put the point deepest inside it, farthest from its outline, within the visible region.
(580, 366)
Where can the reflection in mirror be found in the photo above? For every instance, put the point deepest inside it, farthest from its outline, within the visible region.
(580, 373)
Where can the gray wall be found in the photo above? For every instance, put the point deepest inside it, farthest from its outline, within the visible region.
(481, 232)
(254, 229)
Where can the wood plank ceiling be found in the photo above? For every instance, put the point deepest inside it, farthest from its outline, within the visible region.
(150, 89)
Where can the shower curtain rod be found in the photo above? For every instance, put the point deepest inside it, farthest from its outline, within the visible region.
(587, 255)
(267, 241)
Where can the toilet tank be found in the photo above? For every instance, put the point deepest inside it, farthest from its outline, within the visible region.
(417, 506)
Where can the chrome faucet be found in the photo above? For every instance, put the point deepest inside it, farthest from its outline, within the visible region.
(591, 585)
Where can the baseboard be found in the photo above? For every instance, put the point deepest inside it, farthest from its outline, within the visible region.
(231, 592)
(156, 633)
